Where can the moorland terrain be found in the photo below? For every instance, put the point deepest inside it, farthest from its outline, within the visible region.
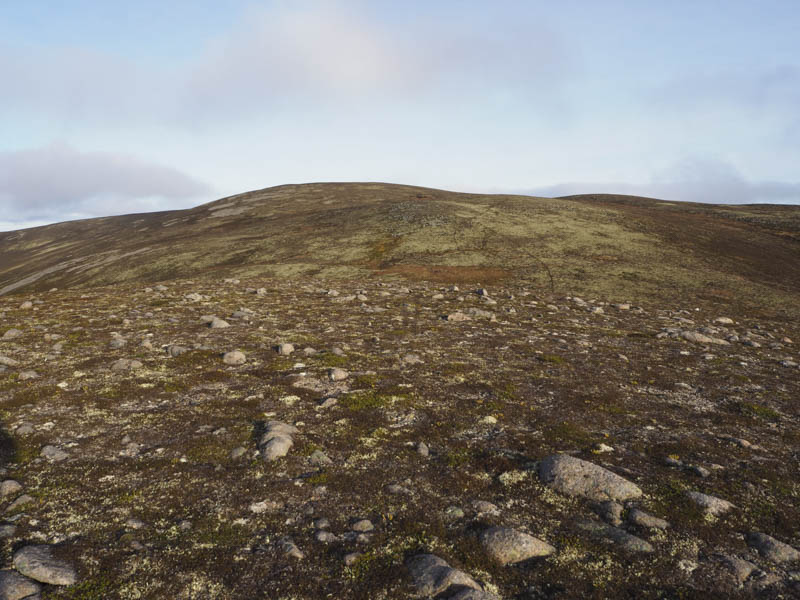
(379, 391)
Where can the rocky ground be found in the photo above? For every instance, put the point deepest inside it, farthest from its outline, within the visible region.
(300, 439)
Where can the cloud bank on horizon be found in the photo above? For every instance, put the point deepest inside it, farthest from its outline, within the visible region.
(110, 109)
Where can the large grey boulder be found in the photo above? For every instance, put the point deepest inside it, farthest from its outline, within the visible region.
(38, 562)
(576, 477)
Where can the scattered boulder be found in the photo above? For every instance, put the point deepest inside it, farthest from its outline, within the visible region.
(610, 512)
(175, 350)
(126, 364)
(508, 546)
(576, 477)
(457, 316)
(21, 501)
(12, 334)
(643, 519)
(289, 548)
(217, 323)
(8, 362)
(53, 453)
(710, 504)
(362, 525)
(337, 374)
(234, 358)
(433, 576)
(285, 349)
(772, 549)
(277, 440)
(319, 459)
(9, 487)
(14, 586)
(38, 563)
(621, 538)
(740, 569)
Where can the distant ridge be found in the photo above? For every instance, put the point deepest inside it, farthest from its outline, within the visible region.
(610, 245)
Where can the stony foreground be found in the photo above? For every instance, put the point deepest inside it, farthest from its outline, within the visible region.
(278, 439)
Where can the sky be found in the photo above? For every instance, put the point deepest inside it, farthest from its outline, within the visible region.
(122, 107)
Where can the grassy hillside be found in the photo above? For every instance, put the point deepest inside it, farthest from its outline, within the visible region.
(616, 247)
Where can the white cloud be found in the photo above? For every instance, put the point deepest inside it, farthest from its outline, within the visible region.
(58, 182)
(297, 55)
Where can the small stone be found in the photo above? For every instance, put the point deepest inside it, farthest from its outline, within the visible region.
(27, 375)
(26, 305)
(12, 334)
(350, 559)
(322, 523)
(38, 562)
(337, 374)
(7, 530)
(135, 524)
(453, 513)
(411, 359)
(328, 403)
(8, 487)
(326, 537)
(175, 350)
(723, 321)
(53, 453)
(238, 452)
(24, 429)
(185, 525)
(700, 471)
(8, 362)
(710, 504)
(126, 364)
(319, 459)
(602, 448)
(290, 549)
(422, 449)
(772, 549)
(117, 343)
(362, 525)
(610, 512)
(457, 317)
(264, 506)
(285, 349)
(508, 546)
(21, 501)
(234, 358)
(217, 323)
(482, 507)
(624, 540)
(14, 586)
(643, 519)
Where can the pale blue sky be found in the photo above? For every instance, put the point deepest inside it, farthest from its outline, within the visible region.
(112, 107)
